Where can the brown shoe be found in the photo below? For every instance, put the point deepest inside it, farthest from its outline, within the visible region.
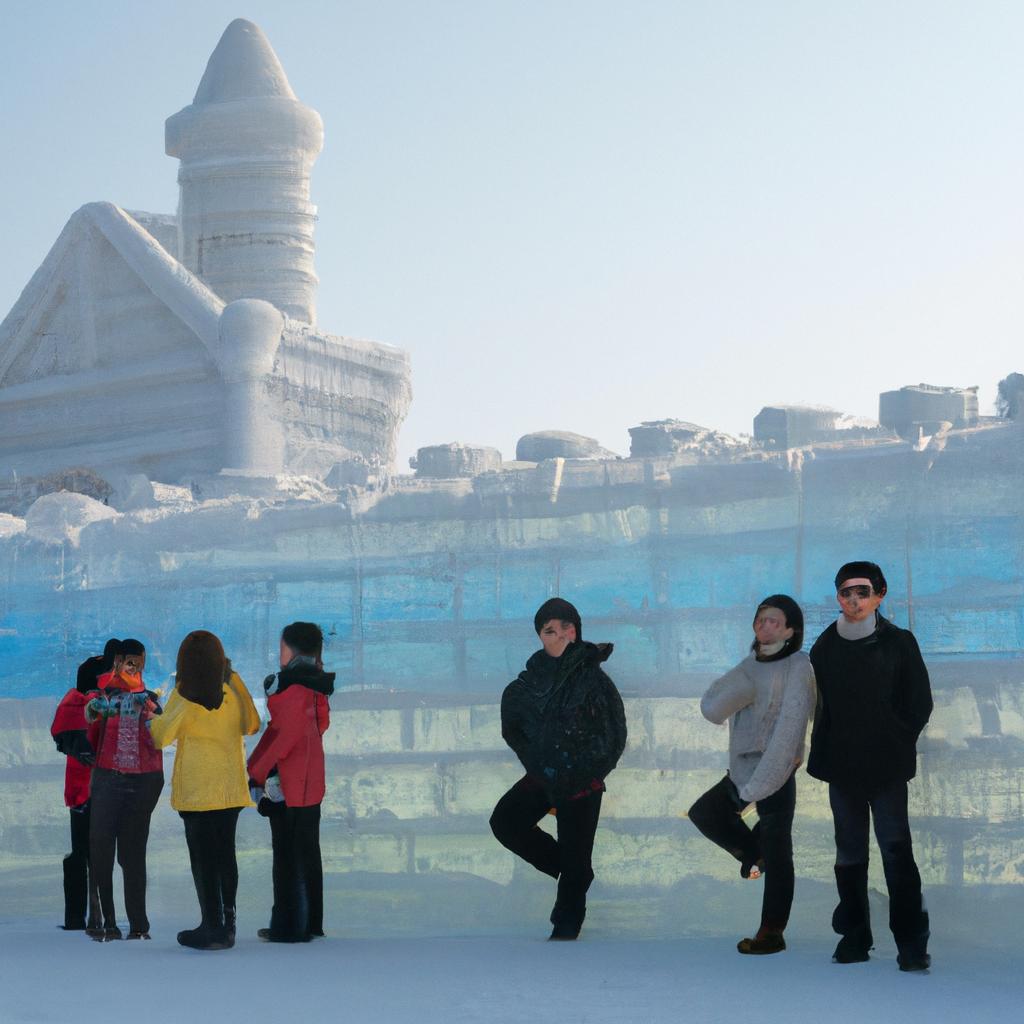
(770, 942)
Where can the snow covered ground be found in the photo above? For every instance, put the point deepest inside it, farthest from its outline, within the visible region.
(448, 951)
(50, 976)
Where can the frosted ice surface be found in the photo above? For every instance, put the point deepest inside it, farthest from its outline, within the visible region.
(10, 526)
(60, 517)
(242, 66)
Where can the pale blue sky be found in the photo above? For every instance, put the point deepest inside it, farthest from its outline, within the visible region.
(581, 215)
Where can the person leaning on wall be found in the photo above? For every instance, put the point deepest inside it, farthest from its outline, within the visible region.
(767, 700)
(207, 715)
(874, 699)
(564, 719)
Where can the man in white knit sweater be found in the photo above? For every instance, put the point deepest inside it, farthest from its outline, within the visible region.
(767, 700)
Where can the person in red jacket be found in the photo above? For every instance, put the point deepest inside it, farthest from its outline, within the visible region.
(286, 777)
(126, 782)
(69, 733)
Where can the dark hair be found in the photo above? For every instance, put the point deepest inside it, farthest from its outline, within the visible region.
(200, 669)
(557, 608)
(304, 638)
(865, 570)
(130, 647)
(794, 621)
(92, 668)
(111, 649)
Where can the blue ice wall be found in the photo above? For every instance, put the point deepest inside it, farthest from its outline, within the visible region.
(433, 587)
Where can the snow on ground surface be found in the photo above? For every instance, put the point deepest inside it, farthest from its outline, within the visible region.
(445, 950)
(49, 975)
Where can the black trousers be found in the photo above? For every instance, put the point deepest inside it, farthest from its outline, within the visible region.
(567, 858)
(80, 895)
(298, 912)
(210, 836)
(119, 822)
(770, 841)
(852, 811)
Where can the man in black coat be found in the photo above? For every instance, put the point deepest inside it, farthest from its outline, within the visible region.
(564, 719)
(874, 699)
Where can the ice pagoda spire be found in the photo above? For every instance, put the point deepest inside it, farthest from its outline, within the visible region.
(247, 147)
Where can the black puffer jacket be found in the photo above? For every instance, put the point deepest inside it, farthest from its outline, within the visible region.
(564, 719)
(874, 698)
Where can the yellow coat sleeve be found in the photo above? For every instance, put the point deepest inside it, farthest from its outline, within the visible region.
(250, 716)
(166, 728)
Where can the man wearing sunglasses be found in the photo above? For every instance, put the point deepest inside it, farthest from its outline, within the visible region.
(874, 699)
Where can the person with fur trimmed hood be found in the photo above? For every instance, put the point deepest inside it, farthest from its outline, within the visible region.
(207, 715)
(287, 777)
(564, 719)
(767, 700)
(126, 781)
(69, 733)
(874, 700)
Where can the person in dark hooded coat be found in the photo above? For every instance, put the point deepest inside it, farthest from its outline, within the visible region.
(69, 733)
(564, 719)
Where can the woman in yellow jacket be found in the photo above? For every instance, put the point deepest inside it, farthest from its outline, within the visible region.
(207, 715)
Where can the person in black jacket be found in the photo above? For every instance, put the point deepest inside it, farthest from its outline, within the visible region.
(874, 699)
(69, 733)
(565, 722)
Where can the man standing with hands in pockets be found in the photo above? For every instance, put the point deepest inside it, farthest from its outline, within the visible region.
(874, 699)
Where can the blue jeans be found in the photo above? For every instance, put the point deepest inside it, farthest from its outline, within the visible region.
(852, 811)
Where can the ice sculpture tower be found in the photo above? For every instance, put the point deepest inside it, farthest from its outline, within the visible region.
(247, 147)
(206, 318)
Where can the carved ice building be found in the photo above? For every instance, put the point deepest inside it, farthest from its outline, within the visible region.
(180, 346)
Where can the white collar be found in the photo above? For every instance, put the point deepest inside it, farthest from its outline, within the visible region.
(856, 630)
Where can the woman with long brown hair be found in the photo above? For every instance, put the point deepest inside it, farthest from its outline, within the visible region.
(207, 715)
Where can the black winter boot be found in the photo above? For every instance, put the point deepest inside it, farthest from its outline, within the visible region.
(76, 892)
(205, 937)
(109, 932)
(852, 917)
(908, 920)
(912, 951)
(567, 921)
(212, 932)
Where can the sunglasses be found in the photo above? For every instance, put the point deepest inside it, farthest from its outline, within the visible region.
(860, 591)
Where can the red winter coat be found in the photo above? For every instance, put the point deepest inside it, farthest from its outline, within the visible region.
(70, 717)
(123, 742)
(299, 717)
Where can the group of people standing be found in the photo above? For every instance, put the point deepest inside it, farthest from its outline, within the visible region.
(864, 685)
(113, 729)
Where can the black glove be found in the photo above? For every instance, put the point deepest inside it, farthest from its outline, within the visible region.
(74, 744)
(267, 807)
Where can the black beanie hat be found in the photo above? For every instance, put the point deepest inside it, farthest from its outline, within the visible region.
(794, 618)
(863, 570)
(557, 608)
(304, 638)
(132, 647)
